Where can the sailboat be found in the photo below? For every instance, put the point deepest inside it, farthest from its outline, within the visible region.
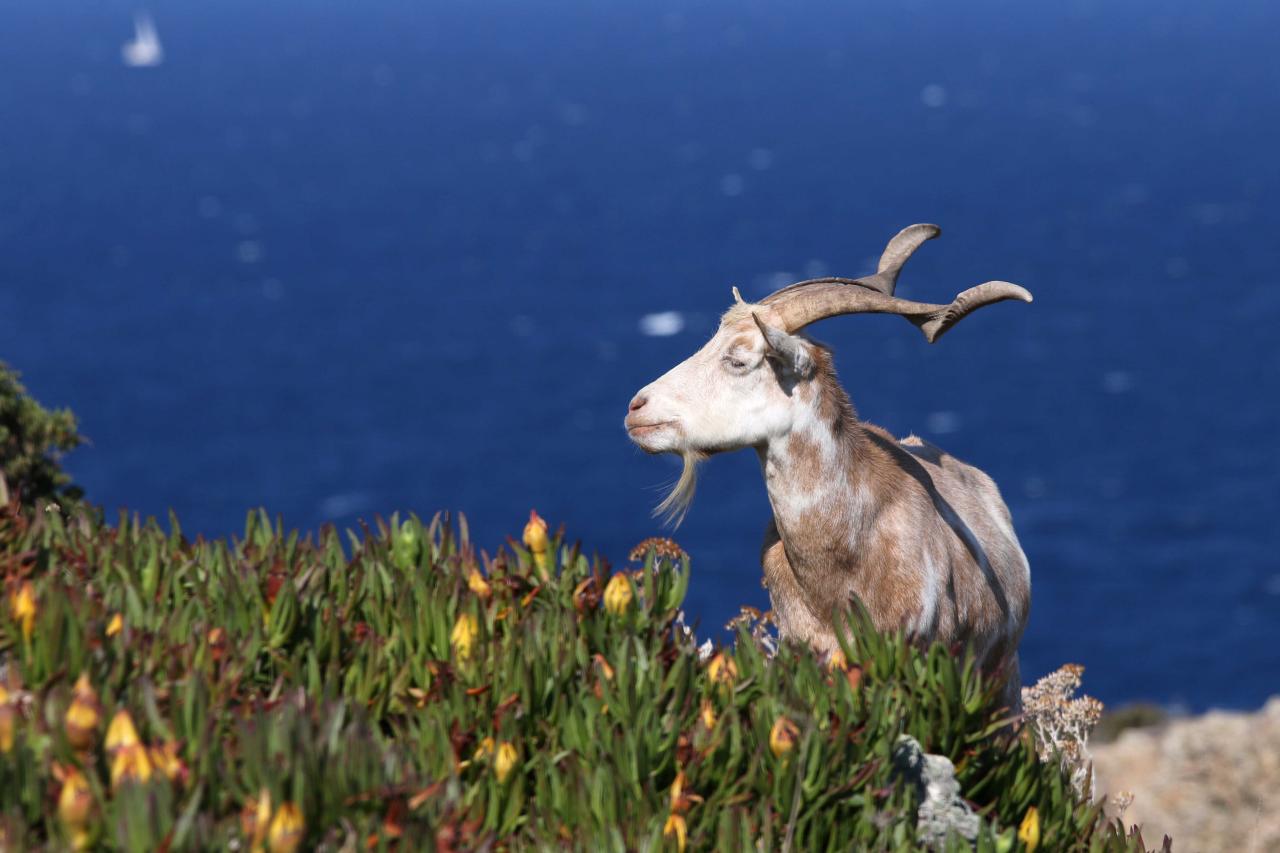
(144, 50)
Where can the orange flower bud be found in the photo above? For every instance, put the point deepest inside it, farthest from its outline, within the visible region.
(8, 719)
(254, 819)
(722, 670)
(681, 799)
(535, 539)
(783, 736)
(115, 626)
(618, 595)
(287, 829)
(504, 761)
(75, 801)
(535, 533)
(84, 714)
(675, 826)
(463, 636)
(22, 606)
(708, 715)
(1029, 831)
(477, 584)
(166, 760)
(120, 733)
(131, 764)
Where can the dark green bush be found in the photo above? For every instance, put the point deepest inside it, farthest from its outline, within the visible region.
(32, 440)
(336, 681)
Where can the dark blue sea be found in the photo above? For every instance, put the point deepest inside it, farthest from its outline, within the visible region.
(346, 258)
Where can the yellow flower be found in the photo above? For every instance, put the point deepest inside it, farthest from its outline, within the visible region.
(287, 829)
(681, 799)
(75, 801)
(708, 715)
(504, 761)
(115, 626)
(535, 533)
(484, 750)
(84, 714)
(675, 825)
(165, 759)
(1029, 831)
(22, 606)
(120, 733)
(618, 595)
(535, 539)
(8, 717)
(463, 636)
(477, 584)
(722, 670)
(836, 661)
(254, 818)
(782, 737)
(131, 764)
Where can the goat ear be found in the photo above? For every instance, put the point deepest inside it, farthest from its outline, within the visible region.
(788, 350)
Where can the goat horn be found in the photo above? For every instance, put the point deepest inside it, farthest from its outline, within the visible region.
(828, 298)
(900, 248)
(885, 279)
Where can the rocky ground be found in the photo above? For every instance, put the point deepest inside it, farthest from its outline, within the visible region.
(1210, 782)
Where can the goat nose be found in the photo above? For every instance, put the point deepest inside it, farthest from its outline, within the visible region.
(637, 403)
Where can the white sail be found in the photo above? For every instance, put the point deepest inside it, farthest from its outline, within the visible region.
(144, 50)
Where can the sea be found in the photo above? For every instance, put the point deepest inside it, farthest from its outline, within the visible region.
(341, 259)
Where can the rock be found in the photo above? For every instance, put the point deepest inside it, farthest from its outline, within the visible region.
(942, 810)
(1210, 782)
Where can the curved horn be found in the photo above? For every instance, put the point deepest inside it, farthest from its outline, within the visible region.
(828, 298)
(900, 248)
(885, 279)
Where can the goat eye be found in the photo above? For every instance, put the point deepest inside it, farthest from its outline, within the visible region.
(735, 363)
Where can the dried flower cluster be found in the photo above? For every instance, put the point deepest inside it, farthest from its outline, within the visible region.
(1061, 722)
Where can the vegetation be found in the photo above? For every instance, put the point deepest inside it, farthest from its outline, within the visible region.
(398, 689)
(32, 440)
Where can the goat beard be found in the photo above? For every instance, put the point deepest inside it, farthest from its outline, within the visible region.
(676, 504)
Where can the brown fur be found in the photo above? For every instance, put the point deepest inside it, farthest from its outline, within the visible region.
(910, 506)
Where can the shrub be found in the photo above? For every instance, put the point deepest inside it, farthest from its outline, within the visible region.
(32, 440)
(407, 687)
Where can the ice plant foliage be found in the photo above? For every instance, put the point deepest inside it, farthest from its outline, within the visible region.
(399, 686)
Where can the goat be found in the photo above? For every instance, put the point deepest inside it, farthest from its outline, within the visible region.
(923, 540)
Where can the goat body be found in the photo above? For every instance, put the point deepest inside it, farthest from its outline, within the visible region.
(923, 540)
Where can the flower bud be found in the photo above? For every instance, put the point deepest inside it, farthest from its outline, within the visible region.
(675, 826)
(130, 764)
(478, 585)
(254, 819)
(165, 759)
(75, 802)
(115, 626)
(535, 533)
(783, 736)
(84, 714)
(22, 606)
(708, 715)
(722, 670)
(1029, 831)
(8, 720)
(120, 733)
(504, 761)
(463, 636)
(618, 595)
(535, 539)
(287, 829)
